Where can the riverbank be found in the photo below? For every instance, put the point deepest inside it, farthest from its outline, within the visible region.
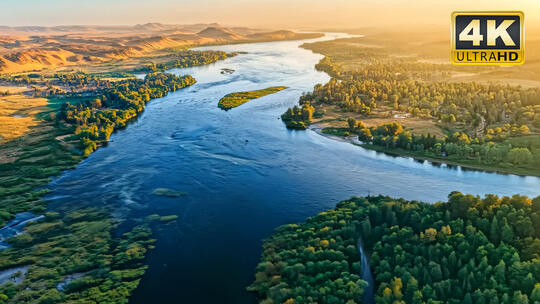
(420, 157)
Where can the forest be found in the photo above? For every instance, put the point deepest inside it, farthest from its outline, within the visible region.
(469, 249)
(314, 262)
(472, 104)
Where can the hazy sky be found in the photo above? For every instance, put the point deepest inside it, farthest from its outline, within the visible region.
(262, 13)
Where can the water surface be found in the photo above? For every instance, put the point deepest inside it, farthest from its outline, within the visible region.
(244, 172)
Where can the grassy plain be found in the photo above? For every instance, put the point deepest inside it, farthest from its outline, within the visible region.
(17, 112)
(334, 117)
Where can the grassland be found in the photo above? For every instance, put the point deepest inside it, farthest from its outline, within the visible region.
(334, 117)
(236, 99)
(17, 111)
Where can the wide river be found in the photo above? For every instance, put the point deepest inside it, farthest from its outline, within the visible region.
(244, 172)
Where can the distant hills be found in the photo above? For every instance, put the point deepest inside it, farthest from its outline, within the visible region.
(219, 33)
(31, 48)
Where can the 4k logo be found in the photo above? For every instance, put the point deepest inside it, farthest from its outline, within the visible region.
(487, 38)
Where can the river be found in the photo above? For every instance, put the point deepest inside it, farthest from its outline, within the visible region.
(244, 173)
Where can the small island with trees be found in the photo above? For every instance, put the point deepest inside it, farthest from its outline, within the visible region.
(236, 99)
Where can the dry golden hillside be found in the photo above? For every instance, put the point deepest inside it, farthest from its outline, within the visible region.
(25, 49)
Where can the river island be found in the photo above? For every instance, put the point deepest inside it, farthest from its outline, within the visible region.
(236, 99)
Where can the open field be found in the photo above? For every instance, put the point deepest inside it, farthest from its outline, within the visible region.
(335, 117)
(17, 112)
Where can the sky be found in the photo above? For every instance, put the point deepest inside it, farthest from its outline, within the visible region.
(255, 13)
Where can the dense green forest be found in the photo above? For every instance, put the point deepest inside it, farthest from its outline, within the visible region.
(187, 58)
(312, 262)
(466, 250)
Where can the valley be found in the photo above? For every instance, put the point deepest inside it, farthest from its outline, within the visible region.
(138, 183)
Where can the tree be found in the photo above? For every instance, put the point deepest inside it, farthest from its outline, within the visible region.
(507, 235)
(366, 230)
(524, 129)
(430, 234)
(365, 135)
(411, 289)
(467, 299)
(535, 295)
(500, 272)
(519, 156)
(435, 271)
(396, 288)
(352, 123)
(519, 298)
(494, 231)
